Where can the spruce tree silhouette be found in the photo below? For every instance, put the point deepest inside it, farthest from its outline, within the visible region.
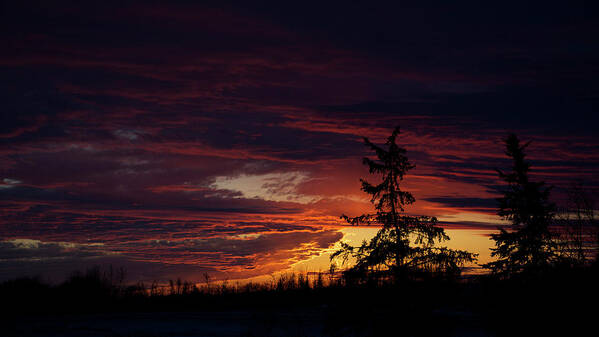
(405, 244)
(527, 246)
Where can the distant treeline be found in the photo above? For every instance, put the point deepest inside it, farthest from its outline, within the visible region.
(97, 290)
(559, 300)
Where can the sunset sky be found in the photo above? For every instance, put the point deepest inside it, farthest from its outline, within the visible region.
(175, 138)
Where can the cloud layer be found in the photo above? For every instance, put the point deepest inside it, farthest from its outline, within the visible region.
(183, 137)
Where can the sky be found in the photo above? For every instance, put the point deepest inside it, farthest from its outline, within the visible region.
(177, 138)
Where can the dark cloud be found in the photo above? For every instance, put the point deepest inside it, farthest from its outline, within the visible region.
(117, 118)
(490, 203)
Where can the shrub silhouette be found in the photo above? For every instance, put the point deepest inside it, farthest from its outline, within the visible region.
(578, 227)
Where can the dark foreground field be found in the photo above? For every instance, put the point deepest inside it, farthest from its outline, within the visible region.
(560, 303)
(284, 322)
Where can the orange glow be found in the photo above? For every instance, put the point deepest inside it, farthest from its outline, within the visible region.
(473, 240)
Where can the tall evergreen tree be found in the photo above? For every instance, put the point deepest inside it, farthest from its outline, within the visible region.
(405, 243)
(527, 244)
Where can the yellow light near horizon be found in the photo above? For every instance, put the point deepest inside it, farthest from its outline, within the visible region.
(472, 240)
